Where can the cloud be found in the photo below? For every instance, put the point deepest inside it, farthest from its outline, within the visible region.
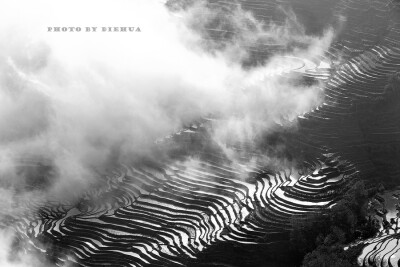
(74, 103)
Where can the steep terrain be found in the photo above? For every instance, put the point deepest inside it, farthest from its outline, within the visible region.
(197, 207)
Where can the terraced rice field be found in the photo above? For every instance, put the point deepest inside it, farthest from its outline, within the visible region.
(167, 213)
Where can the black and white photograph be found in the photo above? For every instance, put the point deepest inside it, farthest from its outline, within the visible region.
(199, 133)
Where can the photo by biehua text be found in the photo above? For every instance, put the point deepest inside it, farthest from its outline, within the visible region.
(93, 29)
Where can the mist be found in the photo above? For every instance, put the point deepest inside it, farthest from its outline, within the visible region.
(82, 101)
